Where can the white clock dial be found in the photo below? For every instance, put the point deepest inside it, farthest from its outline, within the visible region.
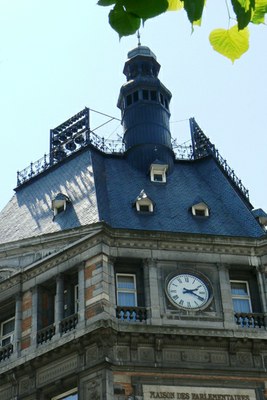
(188, 292)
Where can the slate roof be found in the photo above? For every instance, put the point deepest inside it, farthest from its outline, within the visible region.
(229, 215)
(103, 188)
(29, 212)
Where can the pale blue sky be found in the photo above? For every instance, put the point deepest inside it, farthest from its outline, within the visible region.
(56, 57)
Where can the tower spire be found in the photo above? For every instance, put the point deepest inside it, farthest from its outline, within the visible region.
(138, 37)
(144, 104)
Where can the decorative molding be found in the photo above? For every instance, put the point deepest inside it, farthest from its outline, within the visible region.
(56, 370)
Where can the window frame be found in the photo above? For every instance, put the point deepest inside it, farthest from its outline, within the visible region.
(9, 335)
(125, 290)
(200, 210)
(241, 297)
(69, 392)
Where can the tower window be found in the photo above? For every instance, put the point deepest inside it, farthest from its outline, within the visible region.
(129, 100)
(135, 97)
(153, 95)
(145, 95)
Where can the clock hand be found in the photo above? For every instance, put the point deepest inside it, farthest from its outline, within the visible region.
(191, 291)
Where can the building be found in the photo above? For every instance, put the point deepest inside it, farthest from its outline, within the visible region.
(135, 273)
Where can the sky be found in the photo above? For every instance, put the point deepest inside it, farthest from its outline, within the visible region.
(56, 57)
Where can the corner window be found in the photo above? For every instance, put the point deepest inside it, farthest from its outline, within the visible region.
(126, 290)
(7, 332)
(241, 296)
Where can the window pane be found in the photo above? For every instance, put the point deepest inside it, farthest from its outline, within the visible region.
(239, 289)
(126, 282)
(8, 327)
(126, 299)
(241, 306)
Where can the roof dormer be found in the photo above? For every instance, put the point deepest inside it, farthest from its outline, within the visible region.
(200, 208)
(59, 203)
(143, 203)
(158, 171)
(261, 217)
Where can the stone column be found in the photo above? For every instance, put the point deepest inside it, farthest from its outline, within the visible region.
(226, 297)
(152, 290)
(81, 299)
(262, 288)
(59, 302)
(34, 315)
(18, 325)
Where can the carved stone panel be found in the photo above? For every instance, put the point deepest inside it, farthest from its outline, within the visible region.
(6, 393)
(123, 353)
(56, 370)
(146, 354)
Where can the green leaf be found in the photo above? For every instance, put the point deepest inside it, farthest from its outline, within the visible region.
(243, 10)
(194, 9)
(259, 12)
(231, 43)
(175, 5)
(123, 22)
(146, 8)
(106, 2)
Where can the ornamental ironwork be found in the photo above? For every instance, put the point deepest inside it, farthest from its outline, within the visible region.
(75, 134)
(202, 147)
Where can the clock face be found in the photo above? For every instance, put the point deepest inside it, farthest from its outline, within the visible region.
(188, 292)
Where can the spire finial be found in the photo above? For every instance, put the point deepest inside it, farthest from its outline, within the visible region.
(138, 37)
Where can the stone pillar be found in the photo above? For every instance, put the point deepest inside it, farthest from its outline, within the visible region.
(152, 288)
(81, 296)
(226, 296)
(18, 324)
(262, 288)
(34, 329)
(59, 302)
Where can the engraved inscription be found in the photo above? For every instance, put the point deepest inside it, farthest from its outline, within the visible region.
(196, 393)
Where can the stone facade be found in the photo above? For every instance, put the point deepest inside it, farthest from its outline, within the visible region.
(169, 353)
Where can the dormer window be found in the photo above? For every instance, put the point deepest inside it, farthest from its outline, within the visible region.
(143, 203)
(158, 172)
(59, 203)
(200, 210)
(261, 217)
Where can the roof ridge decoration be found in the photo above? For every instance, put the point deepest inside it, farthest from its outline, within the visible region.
(202, 147)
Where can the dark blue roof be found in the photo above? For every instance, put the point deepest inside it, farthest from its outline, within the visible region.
(229, 214)
(104, 187)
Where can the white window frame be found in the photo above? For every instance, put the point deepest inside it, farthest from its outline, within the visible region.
(63, 396)
(9, 335)
(125, 290)
(144, 202)
(158, 169)
(200, 207)
(242, 297)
